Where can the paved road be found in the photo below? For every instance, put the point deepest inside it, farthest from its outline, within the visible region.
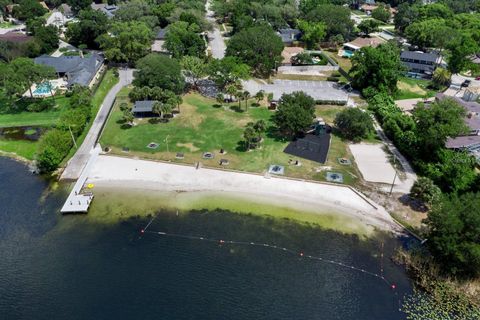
(215, 39)
(76, 165)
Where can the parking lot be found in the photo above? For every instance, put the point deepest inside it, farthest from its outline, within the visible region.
(319, 90)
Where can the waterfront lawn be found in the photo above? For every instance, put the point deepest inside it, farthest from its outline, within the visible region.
(204, 126)
(22, 148)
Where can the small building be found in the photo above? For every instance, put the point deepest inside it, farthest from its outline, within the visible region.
(473, 112)
(289, 36)
(75, 69)
(66, 10)
(107, 9)
(143, 108)
(349, 48)
(421, 63)
(158, 43)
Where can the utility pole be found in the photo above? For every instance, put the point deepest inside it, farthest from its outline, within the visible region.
(395, 176)
(166, 141)
(73, 138)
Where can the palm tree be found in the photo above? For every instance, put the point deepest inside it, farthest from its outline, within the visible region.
(231, 91)
(220, 98)
(249, 135)
(246, 96)
(239, 95)
(260, 95)
(128, 116)
(441, 77)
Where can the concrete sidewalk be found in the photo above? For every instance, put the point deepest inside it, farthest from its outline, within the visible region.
(76, 165)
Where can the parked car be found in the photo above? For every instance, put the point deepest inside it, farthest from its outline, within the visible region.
(477, 78)
(466, 83)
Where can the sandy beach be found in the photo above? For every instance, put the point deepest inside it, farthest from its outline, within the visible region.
(133, 174)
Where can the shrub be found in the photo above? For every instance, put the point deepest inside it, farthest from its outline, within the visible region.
(354, 124)
(53, 147)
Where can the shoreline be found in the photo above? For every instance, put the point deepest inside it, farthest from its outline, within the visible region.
(110, 172)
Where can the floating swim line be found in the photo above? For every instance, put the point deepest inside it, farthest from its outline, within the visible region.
(274, 247)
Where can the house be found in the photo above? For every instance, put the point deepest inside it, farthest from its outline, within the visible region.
(75, 69)
(158, 43)
(289, 36)
(349, 48)
(143, 108)
(420, 63)
(66, 10)
(108, 9)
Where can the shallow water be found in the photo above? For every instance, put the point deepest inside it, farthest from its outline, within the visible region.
(71, 267)
(21, 133)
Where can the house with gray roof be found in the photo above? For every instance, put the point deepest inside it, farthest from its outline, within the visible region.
(75, 69)
(143, 108)
(470, 142)
(421, 63)
(108, 9)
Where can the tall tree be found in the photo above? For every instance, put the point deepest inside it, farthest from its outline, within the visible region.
(354, 124)
(312, 33)
(90, 25)
(368, 26)
(194, 68)
(126, 41)
(227, 71)
(183, 39)
(259, 47)
(157, 70)
(336, 18)
(295, 114)
(382, 13)
(378, 68)
(28, 9)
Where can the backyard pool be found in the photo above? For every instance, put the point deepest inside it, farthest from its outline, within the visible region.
(44, 88)
(347, 53)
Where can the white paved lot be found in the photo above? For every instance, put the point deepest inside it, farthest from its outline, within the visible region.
(319, 90)
(373, 163)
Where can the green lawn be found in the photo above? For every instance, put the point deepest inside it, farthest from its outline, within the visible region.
(25, 118)
(204, 126)
(22, 148)
(6, 24)
(409, 88)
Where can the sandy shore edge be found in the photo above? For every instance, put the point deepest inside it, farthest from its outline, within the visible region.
(132, 174)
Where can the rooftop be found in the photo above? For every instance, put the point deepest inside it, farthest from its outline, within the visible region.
(361, 42)
(16, 37)
(421, 56)
(161, 34)
(79, 70)
(463, 142)
(143, 106)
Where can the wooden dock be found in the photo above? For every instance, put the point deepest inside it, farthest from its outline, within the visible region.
(78, 202)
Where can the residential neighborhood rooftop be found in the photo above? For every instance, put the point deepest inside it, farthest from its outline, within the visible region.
(289, 35)
(79, 70)
(143, 106)
(361, 42)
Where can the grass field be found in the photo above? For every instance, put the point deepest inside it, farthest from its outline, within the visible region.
(203, 125)
(409, 88)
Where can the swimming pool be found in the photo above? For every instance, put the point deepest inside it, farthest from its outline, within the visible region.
(43, 88)
(347, 53)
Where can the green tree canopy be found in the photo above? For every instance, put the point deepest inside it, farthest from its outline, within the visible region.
(354, 124)
(53, 146)
(295, 114)
(126, 41)
(382, 13)
(378, 68)
(312, 33)
(194, 68)
(91, 24)
(425, 190)
(227, 71)
(156, 70)
(183, 39)
(259, 47)
(368, 26)
(28, 9)
(454, 233)
(336, 18)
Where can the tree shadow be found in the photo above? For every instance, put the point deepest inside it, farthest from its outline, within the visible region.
(237, 109)
(414, 204)
(241, 146)
(125, 126)
(217, 106)
(273, 133)
(255, 105)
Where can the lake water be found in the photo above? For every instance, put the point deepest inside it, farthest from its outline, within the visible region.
(54, 267)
